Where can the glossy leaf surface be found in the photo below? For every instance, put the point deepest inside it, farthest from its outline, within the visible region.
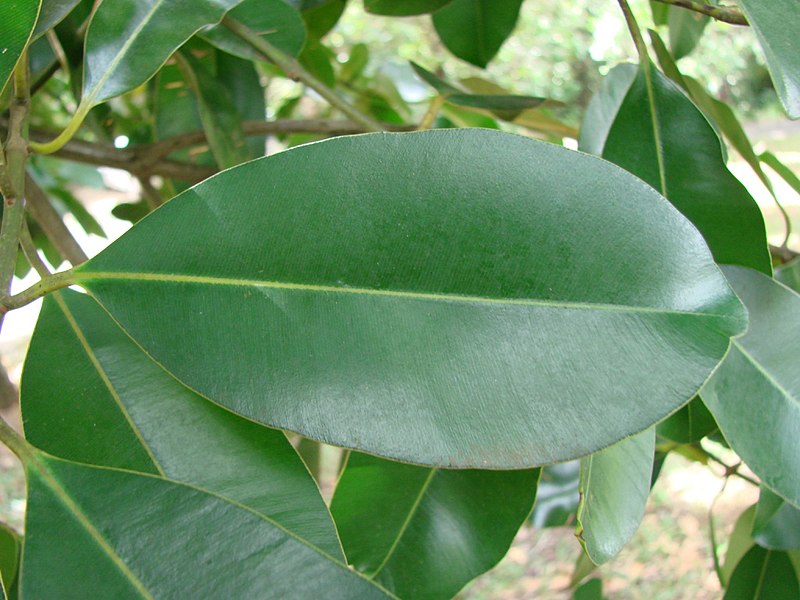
(614, 486)
(386, 513)
(129, 40)
(16, 27)
(603, 108)
(403, 8)
(277, 22)
(757, 387)
(474, 30)
(775, 24)
(763, 575)
(117, 408)
(422, 304)
(670, 144)
(101, 533)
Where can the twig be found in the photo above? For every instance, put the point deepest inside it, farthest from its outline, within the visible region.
(729, 469)
(54, 282)
(294, 69)
(433, 111)
(636, 33)
(29, 249)
(150, 194)
(50, 221)
(726, 14)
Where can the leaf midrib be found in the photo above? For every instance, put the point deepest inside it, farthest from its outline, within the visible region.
(87, 276)
(766, 374)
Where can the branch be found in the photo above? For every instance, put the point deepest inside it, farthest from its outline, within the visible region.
(50, 221)
(725, 14)
(294, 69)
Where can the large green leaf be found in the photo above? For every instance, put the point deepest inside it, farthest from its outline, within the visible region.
(763, 575)
(755, 393)
(91, 395)
(474, 30)
(386, 513)
(129, 40)
(614, 486)
(278, 23)
(102, 533)
(16, 27)
(10, 543)
(403, 8)
(661, 137)
(690, 424)
(775, 24)
(428, 303)
(685, 30)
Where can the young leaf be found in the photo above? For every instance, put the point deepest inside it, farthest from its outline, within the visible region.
(403, 8)
(278, 23)
(754, 393)
(614, 486)
(775, 25)
(474, 30)
(129, 40)
(431, 288)
(385, 513)
(16, 27)
(660, 136)
(763, 575)
(102, 533)
(117, 408)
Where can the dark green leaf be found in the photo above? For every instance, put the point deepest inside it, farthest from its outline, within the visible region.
(117, 408)
(10, 544)
(661, 137)
(557, 497)
(221, 121)
(506, 107)
(51, 14)
(436, 82)
(129, 40)
(614, 486)
(386, 512)
(356, 62)
(430, 289)
(660, 12)
(690, 424)
(277, 22)
(403, 8)
(777, 524)
(241, 80)
(591, 590)
(321, 18)
(16, 27)
(474, 30)
(763, 575)
(685, 30)
(101, 533)
(789, 274)
(775, 25)
(754, 393)
(319, 61)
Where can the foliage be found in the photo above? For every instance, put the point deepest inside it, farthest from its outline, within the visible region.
(475, 315)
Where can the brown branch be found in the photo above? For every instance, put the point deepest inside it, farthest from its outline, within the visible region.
(725, 14)
(50, 221)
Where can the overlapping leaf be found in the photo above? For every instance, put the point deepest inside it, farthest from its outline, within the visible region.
(403, 8)
(52, 13)
(102, 533)
(660, 136)
(755, 393)
(614, 486)
(386, 512)
(89, 394)
(426, 303)
(10, 545)
(763, 575)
